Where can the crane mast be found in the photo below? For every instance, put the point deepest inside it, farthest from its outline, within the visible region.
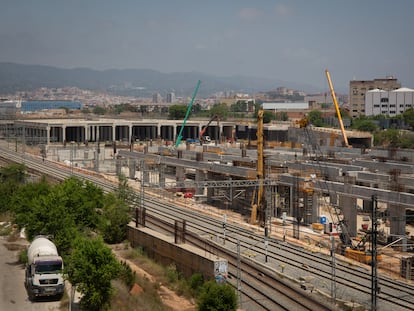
(190, 105)
(260, 169)
(338, 113)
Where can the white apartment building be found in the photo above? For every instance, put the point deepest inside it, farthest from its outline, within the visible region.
(389, 103)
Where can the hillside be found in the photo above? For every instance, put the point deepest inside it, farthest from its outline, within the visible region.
(133, 82)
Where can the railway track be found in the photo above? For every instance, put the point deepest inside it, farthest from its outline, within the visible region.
(352, 282)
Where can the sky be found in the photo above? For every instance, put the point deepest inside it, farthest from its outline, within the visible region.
(290, 40)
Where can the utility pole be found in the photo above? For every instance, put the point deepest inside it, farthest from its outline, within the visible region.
(333, 280)
(239, 286)
(374, 270)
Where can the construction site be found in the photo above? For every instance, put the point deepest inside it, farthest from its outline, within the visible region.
(288, 175)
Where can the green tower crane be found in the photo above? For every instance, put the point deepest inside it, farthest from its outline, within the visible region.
(190, 105)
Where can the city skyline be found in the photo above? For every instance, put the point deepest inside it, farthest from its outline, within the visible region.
(292, 40)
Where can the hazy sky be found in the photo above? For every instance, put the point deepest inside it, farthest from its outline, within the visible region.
(292, 40)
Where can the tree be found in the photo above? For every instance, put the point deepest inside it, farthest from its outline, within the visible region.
(115, 213)
(315, 117)
(239, 106)
(221, 110)
(217, 297)
(91, 267)
(48, 215)
(177, 112)
(387, 138)
(21, 203)
(82, 199)
(267, 116)
(12, 178)
(99, 110)
(14, 173)
(64, 210)
(366, 126)
(115, 218)
(196, 108)
(408, 117)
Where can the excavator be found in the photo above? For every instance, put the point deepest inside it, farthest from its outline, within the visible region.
(356, 248)
(203, 138)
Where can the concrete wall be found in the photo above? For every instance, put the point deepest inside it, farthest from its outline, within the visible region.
(188, 260)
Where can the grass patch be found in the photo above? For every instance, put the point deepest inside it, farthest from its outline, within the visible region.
(149, 299)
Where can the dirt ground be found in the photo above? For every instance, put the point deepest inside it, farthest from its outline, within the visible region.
(168, 297)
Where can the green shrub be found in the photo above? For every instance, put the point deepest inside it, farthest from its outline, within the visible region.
(127, 275)
(196, 282)
(217, 297)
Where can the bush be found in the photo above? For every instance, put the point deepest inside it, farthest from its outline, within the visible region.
(127, 275)
(217, 297)
(172, 274)
(196, 282)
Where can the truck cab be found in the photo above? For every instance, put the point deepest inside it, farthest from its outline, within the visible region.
(44, 270)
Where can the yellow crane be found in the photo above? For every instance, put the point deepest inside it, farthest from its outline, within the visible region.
(338, 113)
(260, 170)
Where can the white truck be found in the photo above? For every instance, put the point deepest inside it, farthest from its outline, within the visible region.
(44, 269)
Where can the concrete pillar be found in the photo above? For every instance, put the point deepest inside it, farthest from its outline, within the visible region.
(179, 174)
(161, 175)
(210, 191)
(348, 207)
(113, 132)
(146, 173)
(200, 176)
(397, 220)
(291, 201)
(132, 168)
(48, 135)
(87, 133)
(315, 207)
(63, 133)
(118, 167)
(174, 135)
(333, 198)
(97, 128)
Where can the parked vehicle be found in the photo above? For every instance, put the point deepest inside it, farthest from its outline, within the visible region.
(44, 269)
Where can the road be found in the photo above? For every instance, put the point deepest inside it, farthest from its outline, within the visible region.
(13, 296)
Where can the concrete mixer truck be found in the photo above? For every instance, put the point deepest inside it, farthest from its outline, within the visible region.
(44, 269)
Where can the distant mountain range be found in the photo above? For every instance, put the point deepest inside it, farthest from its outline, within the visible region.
(133, 82)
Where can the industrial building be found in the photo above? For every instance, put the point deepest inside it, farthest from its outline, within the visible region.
(10, 108)
(390, 103)
(358, 89)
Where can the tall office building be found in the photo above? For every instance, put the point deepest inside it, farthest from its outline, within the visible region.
(156, 98)
(171, 97)
(358, 89)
